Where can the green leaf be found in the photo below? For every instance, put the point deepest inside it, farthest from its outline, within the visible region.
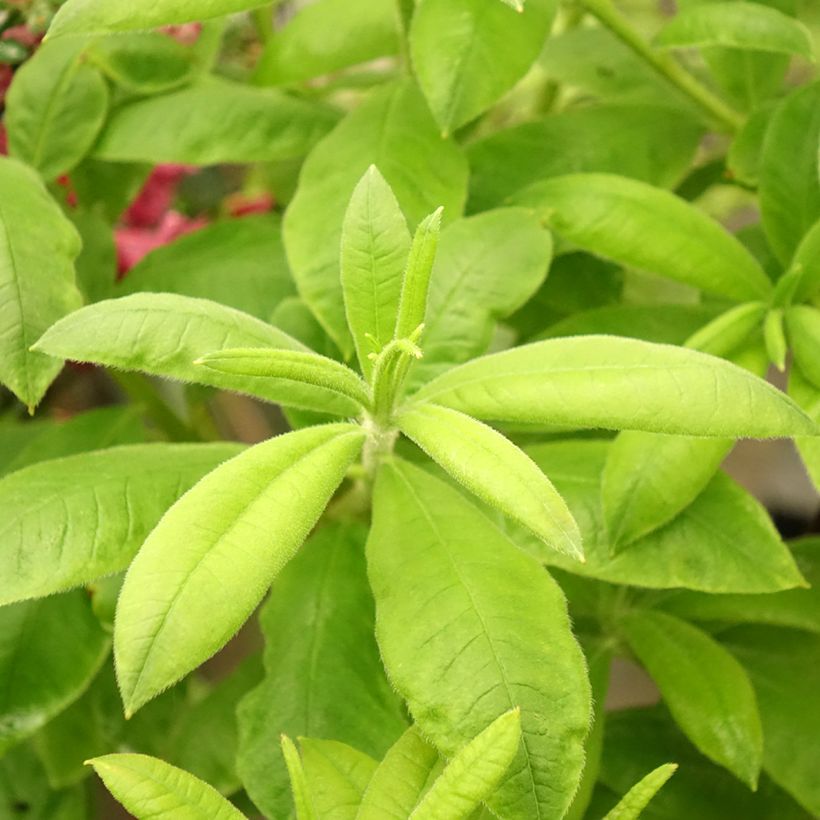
(807, 395)
(103, 16)
(723, 542)
(605, 381)
(632, 804)
(736, 25)
(332, 686)
(336, 777)
(743, 158)
(239, 263)
(163, 334)
(301, 795)
(775, 338)
(400, 779)
(292, 365)
(493, 468)
(803, 325)
(789, 187)
(486, 267)
(393, 130)
(652, 143)
(148, 787)
(55, 109)
(463, 642)
(240, 525)
(37, 248)
(644, 227)
(728, 331)
(468, 53)
(254, 125)
(50, 651)
(705, 688)
(327, 36)
(96, 266)
(375, 244)
(71, 520)
(474, 772)
(805, 266)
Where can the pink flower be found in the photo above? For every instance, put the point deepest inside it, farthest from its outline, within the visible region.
(133, 243)
(23, 35)
(6, 75)
(156, 197)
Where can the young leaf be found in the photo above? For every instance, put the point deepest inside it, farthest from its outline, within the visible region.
(736, 25)
(254, 125)
(37, 251)
(463, 643)
(468, 53)
(332, 686)
(301, 795)
(475, 771)
(806, 266)
(291, 365)
(375, 244)
(72, 520)
(163, 334)
(803, 324)
(148, 787)
(493, 468)
(240, 525)
(728, 331)
(50, 651)
(400, 779)
(605, 381)
(632, 804)
(393, 130)
(55, 108)
(705, 688)
(643, 227)
(775, 338)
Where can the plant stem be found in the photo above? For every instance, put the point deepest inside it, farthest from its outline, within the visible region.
(665, 65)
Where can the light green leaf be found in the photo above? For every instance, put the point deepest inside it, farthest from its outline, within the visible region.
(475, 771)
(163, 334)
(653, 143)
(493, 468)
(632, 804)
(332, 686)
(74, 519)
(723, 542)
(148, 787)
(736, 25)
(789, 186)
(743, 157)
(486, 267)
(728, 331)
(468, 53)
(705, 688)
(239, 263)
(807, 395)
(301, 796)
(336, 777)
(803, 325)
(254, 125)
(375, 244)
(50, 651)
(393, 130)
(327, 36)
(774, 336)
(292, 365)
(55, 108)
(606, 381)
(463, 642)
(37, 248)
(240, 525)
(103, 16)
(400, 779)
(805, 265)
(644, 227)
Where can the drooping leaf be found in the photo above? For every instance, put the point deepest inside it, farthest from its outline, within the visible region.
(55, 108)
(393, 130)
(254, 125)
(705, 688)
(332, 686)
(49, 652)
(74, 519)
(647, 228)
(239, 263)
(147, 787)
(37, 248)
(632, 804)
(605, 381)
(463, 643)
(468, 53)
(240, 525)
(497, 471)
(803, 325)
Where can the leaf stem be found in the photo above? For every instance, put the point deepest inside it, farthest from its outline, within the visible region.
(666, 65)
